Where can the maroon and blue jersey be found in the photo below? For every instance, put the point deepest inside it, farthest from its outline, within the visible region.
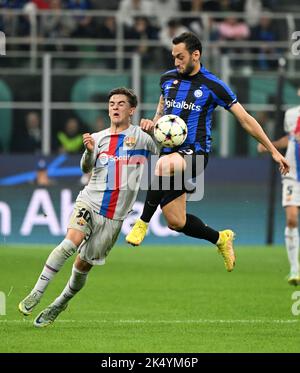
(119, 161)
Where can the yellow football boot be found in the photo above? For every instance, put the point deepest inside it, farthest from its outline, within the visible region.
(137, 233)
(225, 248)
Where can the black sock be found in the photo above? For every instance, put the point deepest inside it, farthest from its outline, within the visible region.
(194, 227)
(152, 201)
(154, 196)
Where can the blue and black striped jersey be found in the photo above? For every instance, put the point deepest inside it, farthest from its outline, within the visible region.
(194, 98)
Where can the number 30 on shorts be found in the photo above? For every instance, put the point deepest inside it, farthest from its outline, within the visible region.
(83, 216)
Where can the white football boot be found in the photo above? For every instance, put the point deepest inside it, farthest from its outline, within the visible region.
(27, 305)
(48, 315)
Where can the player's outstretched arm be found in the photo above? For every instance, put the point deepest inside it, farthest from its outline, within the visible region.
(87, 160)
(254, 129)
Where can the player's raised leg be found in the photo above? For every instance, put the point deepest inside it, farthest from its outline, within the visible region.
(292, 243)
(76, 282)
(165, 168)
(53, 264)
(175, 214)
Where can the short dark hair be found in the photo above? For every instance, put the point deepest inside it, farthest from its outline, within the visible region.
(132, 98)
(190, 40)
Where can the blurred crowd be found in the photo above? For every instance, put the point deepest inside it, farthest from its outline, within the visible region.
(144, 21)
(67, 138)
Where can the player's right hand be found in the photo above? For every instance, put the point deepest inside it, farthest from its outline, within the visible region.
(88, 142)
(283, 164)
(147, 125)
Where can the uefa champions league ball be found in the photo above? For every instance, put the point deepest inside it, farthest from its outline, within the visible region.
(170, 131)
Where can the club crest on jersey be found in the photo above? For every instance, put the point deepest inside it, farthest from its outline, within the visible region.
(81, 222)
(198, 93)
(130, 142)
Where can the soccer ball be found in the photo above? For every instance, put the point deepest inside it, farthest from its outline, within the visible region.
(170, 131)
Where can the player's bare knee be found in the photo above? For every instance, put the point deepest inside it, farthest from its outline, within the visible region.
(175, 226)
(82, 265)
(292, 222)
(175, 223)
(164, 167)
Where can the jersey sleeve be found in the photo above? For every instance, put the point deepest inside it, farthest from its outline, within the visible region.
(223, 95)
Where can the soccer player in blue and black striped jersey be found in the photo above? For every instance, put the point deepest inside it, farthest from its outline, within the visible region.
(192, 92)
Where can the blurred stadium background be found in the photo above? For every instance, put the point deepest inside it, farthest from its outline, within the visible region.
(62, 58)
(59, 59)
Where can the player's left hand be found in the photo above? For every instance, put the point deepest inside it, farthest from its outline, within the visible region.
(284, 166)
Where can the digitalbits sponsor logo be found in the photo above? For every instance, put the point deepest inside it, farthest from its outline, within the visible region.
(296, 45)
(182, 105)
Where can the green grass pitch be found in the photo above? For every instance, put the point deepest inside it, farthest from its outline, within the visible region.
(157, 299)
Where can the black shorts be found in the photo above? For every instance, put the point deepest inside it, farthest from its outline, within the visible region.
(193, 169)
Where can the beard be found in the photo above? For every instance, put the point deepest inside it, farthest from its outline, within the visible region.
(188, 69)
